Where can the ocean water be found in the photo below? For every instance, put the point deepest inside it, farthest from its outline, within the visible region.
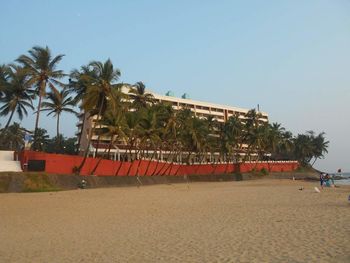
(346, 179)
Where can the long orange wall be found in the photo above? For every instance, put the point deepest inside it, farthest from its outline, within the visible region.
(64, 164)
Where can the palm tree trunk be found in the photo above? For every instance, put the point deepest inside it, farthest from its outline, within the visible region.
(98, 162)
(89, 140)
(215, 165)
(170, 166)
(81, 133)
(149, 162)
(155, 169)
(58, 134)
(97, 145)
(109, 149)
(37, 121)
(120, 166)
(200, 163)
(132, 162)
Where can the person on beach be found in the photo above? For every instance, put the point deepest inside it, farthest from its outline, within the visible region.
(326, 180)
(321, 180)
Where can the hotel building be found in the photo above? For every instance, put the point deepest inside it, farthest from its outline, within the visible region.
(201, 109)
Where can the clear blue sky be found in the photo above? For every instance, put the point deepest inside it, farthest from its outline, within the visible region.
(291, 57)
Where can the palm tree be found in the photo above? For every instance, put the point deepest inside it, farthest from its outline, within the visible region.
(252, 132)
(274, 138)
(319, 145)
(150, 132)
(57, 103)
(193, 135)
(285, 147)
(167, 132)
(79, 82)
(17, 96)
(303, 148)
(13, 137)
(139, 97)
(42, 140)
(233, 134)
(113, 126)
(99, 95)
(133, 131)
(41, 68)
(4, 69)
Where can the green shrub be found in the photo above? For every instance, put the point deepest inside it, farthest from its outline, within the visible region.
(263, 171)
(238, 176)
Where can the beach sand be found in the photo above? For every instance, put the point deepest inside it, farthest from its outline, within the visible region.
(248, 221)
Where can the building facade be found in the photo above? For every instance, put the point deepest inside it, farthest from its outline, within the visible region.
(200, 109)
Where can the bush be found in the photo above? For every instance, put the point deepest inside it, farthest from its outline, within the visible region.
(263, 171)
(238, 176)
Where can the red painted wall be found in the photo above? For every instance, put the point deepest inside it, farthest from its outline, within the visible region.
(63, 164)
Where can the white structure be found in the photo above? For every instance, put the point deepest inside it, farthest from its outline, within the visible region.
(7, 162)
(201, 109)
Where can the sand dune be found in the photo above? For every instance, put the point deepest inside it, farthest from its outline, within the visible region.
(250, 221)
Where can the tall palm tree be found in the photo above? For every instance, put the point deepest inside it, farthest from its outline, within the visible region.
(233, 135)
(113, 126)
(166, 131)
(99, 95)
(150, 132)
(286, 146)
(58, 102)
(320, 146)
(140, 98)
(252, 132)
(303, 148)
(17, 95)
(274, 137)
(193, 136)
(42, 70)
(79, 82)
(133, 131)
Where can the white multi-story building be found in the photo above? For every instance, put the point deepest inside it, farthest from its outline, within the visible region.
(201, 109)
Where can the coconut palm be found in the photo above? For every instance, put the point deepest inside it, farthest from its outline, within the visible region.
(4, 69)
(99, 95)
(58, 102)
(13, 137)
(303, 148)
(17, 95)
(42, 70)
(150, 132)
(168, 133)
(233, 136)
(43, 139)
(285, 148)
(133, 131)
(274, 138)
(193, 135)
(319, 144)
(113, 126)
(139, 97)
(79, 82)
(252, 132)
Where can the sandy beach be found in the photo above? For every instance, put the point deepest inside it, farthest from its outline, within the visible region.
(248, 221)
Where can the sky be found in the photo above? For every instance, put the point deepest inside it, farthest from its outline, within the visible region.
(290, 57)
